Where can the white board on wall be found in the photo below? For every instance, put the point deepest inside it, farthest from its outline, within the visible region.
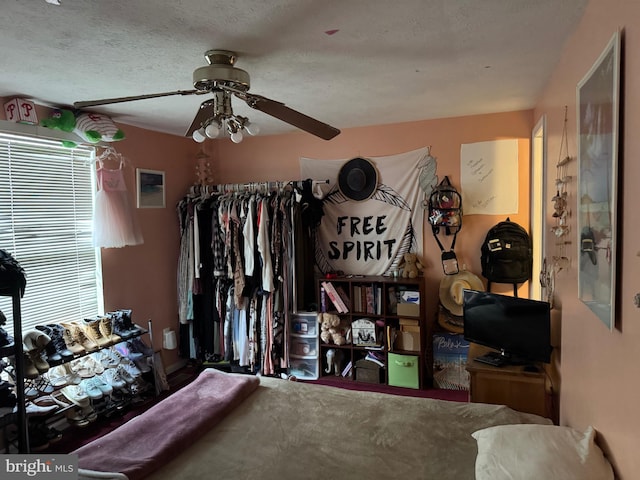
(489, 177)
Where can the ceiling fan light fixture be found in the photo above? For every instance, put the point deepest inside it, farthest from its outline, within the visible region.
(236, 137)
(251, 128)
(199, 135)
(213, 129)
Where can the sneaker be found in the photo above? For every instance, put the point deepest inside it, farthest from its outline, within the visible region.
(124, 374)
(107, 358)
(131, 368)
(104, 387)
(76, 395)
(91, 388)
(113, 377)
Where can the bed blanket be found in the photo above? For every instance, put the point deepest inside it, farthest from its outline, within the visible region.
(147, 442)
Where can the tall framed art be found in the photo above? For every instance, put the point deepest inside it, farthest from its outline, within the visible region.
(598, 95)
(151, 189)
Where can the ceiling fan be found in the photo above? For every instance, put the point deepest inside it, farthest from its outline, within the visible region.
(215, 115)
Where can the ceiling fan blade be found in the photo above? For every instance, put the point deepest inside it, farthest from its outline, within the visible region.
(206, 111)
(108, 101)
(281, 111)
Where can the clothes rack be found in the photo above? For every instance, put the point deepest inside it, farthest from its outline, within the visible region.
(251, 187)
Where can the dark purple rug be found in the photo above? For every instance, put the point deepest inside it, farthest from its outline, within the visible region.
(435, 393)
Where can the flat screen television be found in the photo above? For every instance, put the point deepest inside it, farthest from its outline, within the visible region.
(518, 328)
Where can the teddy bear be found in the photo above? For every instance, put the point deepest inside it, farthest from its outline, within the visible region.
(410, 265)
(91, 127)
(330, 331)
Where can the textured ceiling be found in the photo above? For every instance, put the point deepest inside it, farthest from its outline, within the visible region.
(345, 62)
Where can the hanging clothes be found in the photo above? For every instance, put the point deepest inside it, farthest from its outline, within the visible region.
(114, 223)
(241, 292)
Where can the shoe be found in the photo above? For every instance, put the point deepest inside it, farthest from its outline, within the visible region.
(70, 341)
(93, 364)
(43, 385)
(130, 368)
(112, 377)
(55, 332)
(8, 399)
(36, 410)
(107, 358)
(30, 370)
(86, 367)
(91, 388)
(91, 328)
(38, 361)
(128, 324)
(106, 329)
(118, 326)
(137, 345)
(78, 334)
(125, 375)
(125, 351)
(56, 398)
(30, 389)
(35, 342)
(102, 385)
(76, 395)
(6, 340)
(77, 417)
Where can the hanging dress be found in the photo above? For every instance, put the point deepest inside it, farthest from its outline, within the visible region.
(114, 224)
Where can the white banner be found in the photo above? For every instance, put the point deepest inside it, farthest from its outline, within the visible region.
(369, 237)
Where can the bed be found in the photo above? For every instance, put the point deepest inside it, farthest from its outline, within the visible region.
(229, 426)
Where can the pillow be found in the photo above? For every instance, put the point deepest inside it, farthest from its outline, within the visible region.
(523, 452)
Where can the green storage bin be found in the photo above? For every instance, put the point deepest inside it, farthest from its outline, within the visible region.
(403, 370)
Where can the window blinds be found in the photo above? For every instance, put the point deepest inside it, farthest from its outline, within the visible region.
(46, 208)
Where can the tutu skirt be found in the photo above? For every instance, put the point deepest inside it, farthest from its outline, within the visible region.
(114, 223)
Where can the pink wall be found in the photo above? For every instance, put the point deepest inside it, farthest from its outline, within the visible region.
(276, 158)
(598, 368)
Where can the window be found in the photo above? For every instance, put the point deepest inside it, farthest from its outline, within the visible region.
(46, 208)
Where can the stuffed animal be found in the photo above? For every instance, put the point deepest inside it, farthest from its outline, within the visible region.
(411, 266)
(330, 331)
(91, 127)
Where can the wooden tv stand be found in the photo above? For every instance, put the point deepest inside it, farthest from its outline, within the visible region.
(509, 385)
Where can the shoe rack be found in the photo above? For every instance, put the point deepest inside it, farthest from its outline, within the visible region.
(27, 437)
(20, 417)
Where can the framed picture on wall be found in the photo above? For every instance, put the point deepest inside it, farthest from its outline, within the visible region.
(598, 115)
(150, 188)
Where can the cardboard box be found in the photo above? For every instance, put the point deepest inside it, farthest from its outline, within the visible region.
(409, 341)
(450, 351)
(409, 309)
(20, 110)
